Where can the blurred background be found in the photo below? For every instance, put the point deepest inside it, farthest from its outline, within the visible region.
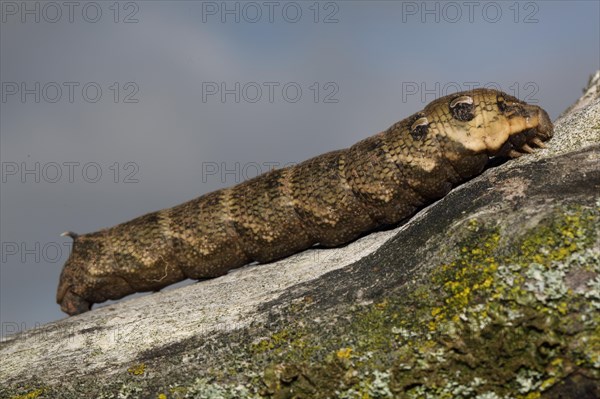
(113, 109)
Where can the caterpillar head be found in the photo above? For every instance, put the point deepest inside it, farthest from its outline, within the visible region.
(490, 122)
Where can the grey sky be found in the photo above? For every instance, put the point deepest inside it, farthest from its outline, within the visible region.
(159, 136)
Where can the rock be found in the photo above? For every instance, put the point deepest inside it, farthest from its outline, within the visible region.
(493, 291)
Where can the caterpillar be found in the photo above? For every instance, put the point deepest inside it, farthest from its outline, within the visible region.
(329, 200)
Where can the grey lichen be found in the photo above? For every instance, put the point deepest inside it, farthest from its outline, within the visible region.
(526, 295)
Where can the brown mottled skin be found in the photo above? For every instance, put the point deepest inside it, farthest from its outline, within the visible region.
(330, 199)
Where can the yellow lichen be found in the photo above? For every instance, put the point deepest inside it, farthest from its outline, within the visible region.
(557, 362)
(532, 395)
(480, 303)
(138, 369)
(382, 305)
(344, 353)
(562, 308)
(548, 383)
(30, 395)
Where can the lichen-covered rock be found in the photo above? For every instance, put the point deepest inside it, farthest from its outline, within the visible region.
(492, 292)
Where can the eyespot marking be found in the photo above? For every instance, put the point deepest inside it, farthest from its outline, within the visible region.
(462, 108)
(461, 100)
(419, 128)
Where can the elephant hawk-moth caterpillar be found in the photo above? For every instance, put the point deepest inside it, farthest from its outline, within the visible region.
(330, 199)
